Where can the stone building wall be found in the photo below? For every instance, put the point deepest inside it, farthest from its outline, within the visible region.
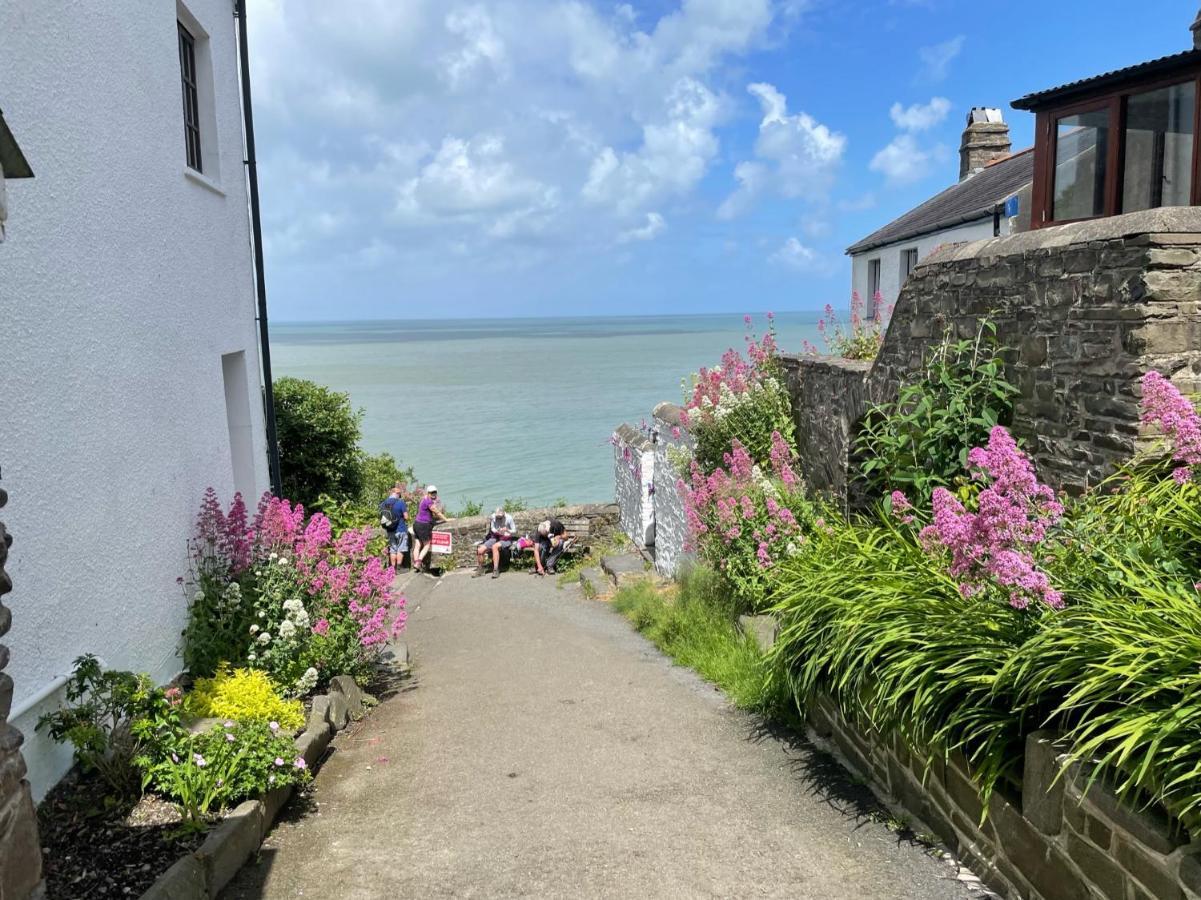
(634, 479)
(1050, 838)
(20, 849)
(671, 527)
(589, 524)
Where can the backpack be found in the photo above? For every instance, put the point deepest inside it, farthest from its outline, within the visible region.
(387, 516)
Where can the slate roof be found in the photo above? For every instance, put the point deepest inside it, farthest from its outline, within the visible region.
(966, 201)
(1164, 65)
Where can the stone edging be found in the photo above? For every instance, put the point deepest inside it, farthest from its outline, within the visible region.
(201, 874)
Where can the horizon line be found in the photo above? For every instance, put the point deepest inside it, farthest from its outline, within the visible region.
(705, 315)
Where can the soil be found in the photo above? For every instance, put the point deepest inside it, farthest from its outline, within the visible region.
(92, 847)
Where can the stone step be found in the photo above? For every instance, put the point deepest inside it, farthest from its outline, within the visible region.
(594, 583)
(624, 568)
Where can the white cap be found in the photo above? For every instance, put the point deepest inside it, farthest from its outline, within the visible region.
(431, 489)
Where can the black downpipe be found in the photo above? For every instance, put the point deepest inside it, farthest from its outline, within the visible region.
(256, 225)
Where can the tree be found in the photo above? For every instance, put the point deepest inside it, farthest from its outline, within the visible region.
(318, 434)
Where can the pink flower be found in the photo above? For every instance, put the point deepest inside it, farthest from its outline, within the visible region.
(299, 763)
(322, 627)
(279, 760)
(1164, 406)
(274, 726)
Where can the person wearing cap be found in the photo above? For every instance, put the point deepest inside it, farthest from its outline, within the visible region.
(501, 531)
(429, 511)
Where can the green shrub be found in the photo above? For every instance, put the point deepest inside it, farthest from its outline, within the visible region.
(920, 441)
(318, 433)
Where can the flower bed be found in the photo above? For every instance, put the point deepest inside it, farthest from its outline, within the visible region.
(278, 605)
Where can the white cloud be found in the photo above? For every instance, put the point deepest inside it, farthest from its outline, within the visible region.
(795, 255)
(655, 226)
(674, 155)
(937, 58)
(904, 161)
(472, 180)
(798, 156)
(920, 117)
(482, 52)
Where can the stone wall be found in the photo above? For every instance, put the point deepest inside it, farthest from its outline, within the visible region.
(671, 527)
(634, 479)
(1087, 308)
(1049, 838)
(828, 398)
(589, 524)
(20, 849)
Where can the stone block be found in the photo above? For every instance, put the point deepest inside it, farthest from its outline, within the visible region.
(964, 793)
(318, 713)
(273, 802)
(762, 628)
(1190, 869)
(20, 850)
(1152, 872)
(6, 694)
(183, 881)
(1098, 867)
(348, 688)
(1042, 788)
(339, 711)
(312, 744)
(230, 844)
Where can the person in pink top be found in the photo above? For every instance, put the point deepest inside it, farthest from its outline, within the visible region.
(429, 511)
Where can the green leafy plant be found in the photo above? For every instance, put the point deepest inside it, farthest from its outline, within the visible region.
(98, 720)
(204, 772)
(244, 695)
(920, 441)
(514, 504)
(469, 508)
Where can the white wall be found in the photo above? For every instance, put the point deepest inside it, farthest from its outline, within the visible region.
(671, 524)
(891, 258)
(633, 475)
(123, 282)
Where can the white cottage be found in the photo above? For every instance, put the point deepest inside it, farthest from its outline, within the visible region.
(991, 198)
(130, 343)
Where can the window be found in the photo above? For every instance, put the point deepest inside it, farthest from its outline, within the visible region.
(191, 98)
(873, 287)
(1158, 138)
(908, 262)
(1081, 160)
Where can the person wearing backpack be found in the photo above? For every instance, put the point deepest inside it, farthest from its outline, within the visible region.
(393, 518)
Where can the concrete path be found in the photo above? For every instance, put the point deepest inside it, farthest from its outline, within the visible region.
(545, 749)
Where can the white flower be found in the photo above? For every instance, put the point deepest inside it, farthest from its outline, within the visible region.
(286, 629)
(252, 656)
(254, 629)
(273, 555)
(262, 614)
(265, 638)
(283, 560)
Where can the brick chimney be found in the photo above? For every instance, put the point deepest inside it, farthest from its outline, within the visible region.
(986, 138)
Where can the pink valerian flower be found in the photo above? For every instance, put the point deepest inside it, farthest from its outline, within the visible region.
(782, 457)
(995, 544)
(322, 627)
(902, 509)
(763, 555)
(1165, 407)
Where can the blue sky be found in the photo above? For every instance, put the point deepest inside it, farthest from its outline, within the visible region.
(446, 158)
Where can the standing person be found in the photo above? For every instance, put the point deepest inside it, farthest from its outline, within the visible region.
(501, 532)
(551, 542)
(428, 512)
(394, 517)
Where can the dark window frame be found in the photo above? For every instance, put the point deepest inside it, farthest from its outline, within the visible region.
(191, 99)
(909, 253)
(1114, 100)
(875, 267)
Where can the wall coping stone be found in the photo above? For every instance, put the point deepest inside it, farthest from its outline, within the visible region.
(670, 414)
(201, 874)
(581, 511)
(632, 437)
(838, 363)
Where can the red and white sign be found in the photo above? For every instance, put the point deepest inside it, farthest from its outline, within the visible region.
(441, 542)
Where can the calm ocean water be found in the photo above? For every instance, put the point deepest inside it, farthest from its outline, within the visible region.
(512, 408)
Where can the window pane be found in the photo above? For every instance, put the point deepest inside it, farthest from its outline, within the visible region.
(1081, 149)
(1158, 169)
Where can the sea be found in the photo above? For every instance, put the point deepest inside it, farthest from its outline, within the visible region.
(516, 409)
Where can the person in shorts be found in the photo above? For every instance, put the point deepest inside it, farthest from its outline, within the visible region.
(429, 511)
(502, 531)
(394, 517)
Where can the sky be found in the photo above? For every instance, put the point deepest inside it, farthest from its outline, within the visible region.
(494, 158)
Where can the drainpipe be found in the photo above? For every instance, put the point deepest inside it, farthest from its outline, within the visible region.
(257, 239)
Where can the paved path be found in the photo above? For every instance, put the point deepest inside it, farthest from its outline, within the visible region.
(545, 749)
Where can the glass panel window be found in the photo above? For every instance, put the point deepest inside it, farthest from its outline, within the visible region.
(1081, 151)
(1158, 168)
(909, 261)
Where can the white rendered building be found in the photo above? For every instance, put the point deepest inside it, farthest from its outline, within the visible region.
(991, 198)
(128, 331)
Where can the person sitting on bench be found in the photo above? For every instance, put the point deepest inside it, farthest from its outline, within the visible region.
(501, 533)
(551, 543)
